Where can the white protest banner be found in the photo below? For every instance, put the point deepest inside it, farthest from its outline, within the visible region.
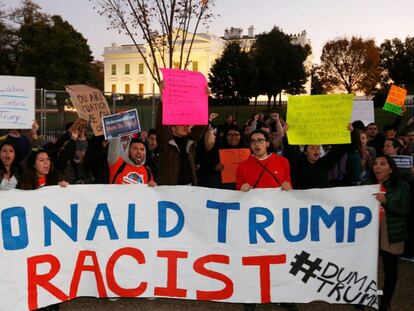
(17, 102)
(363, 110)
(262, 246)
(90, 105)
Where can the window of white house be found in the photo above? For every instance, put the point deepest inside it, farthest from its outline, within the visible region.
(141, 69)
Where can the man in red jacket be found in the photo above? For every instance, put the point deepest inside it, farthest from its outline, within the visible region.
(261, 169)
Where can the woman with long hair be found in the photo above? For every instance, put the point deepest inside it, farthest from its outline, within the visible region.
(395, 201)
(39, 172)
(10, 170)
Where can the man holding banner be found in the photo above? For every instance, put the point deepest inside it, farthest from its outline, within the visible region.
(263, 170)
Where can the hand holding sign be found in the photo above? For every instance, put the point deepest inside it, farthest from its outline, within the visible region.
(17, 102)
(121, 124)
(395, 100)
(90, 105)
(230, 160)
(184, 97)
(319, 119)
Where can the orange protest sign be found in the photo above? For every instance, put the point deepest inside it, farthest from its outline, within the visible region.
(395, 99)
(396, 96)
(231, 158)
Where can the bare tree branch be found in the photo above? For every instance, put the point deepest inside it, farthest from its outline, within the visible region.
(164, 25)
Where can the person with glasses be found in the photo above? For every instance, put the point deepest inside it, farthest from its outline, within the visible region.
(263, 169)
(210, 165)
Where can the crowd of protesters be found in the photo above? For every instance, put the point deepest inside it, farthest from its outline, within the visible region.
(185, 155)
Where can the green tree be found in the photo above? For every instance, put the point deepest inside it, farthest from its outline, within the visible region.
(280, 64)
(350, 65)
(232, 74)
(35, 44)
(97, 68)
(316, 81)
(397, 60)
(54, 52)
(8, 44)
(28, 13)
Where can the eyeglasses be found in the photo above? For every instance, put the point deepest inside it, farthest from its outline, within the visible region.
(234, 135)
(258, 141)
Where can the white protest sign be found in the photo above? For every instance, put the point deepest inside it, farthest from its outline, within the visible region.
(17, 102)
(363, 110)
(262, 246)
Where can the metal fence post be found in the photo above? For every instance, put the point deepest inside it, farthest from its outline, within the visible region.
(153, 108)
(113, 102)
(42, 112)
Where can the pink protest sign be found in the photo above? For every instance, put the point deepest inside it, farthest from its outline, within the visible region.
(184, 98)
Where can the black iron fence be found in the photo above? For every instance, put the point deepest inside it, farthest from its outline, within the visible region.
(54, 109)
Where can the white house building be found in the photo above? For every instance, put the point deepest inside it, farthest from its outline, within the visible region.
(125, 70)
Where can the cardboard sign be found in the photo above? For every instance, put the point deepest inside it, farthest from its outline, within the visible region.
(265, 245)
(79, 124)
(184, 98)
(121, 124)
(395, 99)
(363, 110)
(17, 102)
(319, 119)
(231, 158)
(402, 161)
(90, 105)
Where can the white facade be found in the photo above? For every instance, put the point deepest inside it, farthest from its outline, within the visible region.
(126, 72)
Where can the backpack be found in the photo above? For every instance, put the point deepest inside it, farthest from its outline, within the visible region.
(122, 167)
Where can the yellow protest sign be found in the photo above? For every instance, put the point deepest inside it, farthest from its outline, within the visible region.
(319, 119)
